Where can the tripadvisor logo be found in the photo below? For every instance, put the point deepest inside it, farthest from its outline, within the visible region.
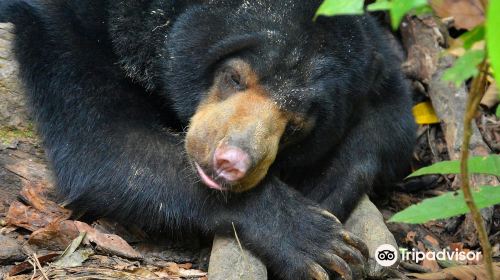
(443, 255)
(386, 255)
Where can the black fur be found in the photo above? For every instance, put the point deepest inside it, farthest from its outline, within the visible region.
(112, 85)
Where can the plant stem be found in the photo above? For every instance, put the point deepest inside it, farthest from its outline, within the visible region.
(476, 93)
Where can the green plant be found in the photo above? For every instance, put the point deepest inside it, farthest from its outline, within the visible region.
(474, 63)
(448, 205)
(397, 8)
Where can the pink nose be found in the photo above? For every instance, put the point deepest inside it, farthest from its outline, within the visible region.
(231, 163)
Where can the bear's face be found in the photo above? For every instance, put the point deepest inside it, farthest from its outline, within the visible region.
(235, 134)
(251, 90)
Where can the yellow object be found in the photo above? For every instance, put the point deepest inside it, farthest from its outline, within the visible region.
(424, 113)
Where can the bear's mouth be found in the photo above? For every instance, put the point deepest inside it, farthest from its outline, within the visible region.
(209, 181)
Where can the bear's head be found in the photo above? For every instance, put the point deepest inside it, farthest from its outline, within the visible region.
(236, 132)
(257, 85)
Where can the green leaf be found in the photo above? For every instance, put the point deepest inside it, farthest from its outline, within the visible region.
(493, 36)
(480, 165)
(397, 8)
(340, 7)
(402, 7)
(423, 10)
(446, 205)
(464, 67)
(498, 111)
(473, 36)
(379, 5)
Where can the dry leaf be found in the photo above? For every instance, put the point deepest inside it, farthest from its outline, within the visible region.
(190, 273)
(75, 259)
(172, 269)
(130, 233)
(467, 13)
(467, 272)
(109, 243)
(35, 195)
(185, 265)
(144, 273)
(55, 236)
(26, 217)
(491, 97)
(41, 211)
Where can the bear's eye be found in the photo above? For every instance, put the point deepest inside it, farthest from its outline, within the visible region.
(234, 80)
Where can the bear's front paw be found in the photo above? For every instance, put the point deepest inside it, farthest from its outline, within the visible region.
(318, 247)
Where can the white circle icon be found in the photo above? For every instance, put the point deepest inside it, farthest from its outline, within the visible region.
(386, 255)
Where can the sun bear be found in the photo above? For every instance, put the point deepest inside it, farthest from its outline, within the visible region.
(202, 114)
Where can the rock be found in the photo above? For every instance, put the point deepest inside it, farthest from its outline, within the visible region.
(10, 250)
(229, 262)
(367, 222)
(13, 111)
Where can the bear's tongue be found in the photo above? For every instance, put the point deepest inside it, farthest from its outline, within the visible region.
(207, 180)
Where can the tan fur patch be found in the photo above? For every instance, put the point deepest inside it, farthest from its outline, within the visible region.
(249, 116)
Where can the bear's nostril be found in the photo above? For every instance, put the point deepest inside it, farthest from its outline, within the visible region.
(231, 163)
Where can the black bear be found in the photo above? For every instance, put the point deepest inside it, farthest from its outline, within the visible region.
(198, 114)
